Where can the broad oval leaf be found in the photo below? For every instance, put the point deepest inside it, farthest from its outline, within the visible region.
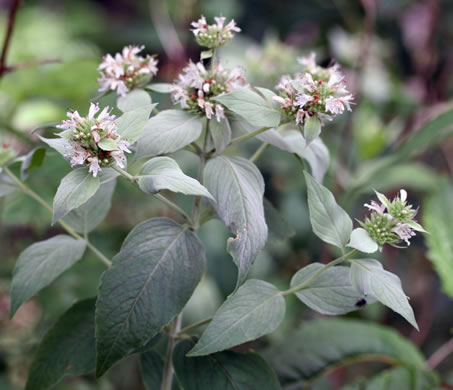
(312, 129)
(238, 187)
(220, 133)
(40, 264)
(131, 124)
(85, 218)
(108, 144)
(164, 173)
(167, 132)
(369, 277)
(331, 293)
(329, 221)
(222, 371)
(61, 145)
(361, 240)
(68, 348)
(321, 344)
(252, 106)
(152, 367)
(134, 100)
(7, 186)
(74, 190)
(257, 308)
(151, 279)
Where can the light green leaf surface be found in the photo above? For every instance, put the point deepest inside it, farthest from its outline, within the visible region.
(361, 240)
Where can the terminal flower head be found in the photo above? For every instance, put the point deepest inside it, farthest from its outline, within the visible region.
(93, 140)
(391, 222)
(196, 87)
(126, 70)
(316, 91)
(215, 35)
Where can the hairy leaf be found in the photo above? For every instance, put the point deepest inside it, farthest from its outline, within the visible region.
(160, 87)
(134, 100)
(369, 277)
(68, 348)
(329, 221)
(167, 132)
(131, 124)
(74, 190)
(331, 292)
(361, 240)
(152, 367)
(257, 308)
(40, 264)
(220, 133)
(279, 228)
(312, 129)
(7, 186)
(238, 187)
(151, 279)
(32, 160)
(222, 371)
(164, 173)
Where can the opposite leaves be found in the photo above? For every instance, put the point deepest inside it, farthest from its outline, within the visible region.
(150, 281)
(40, 264)
(256, 309)
(329, 221)
(238, 187)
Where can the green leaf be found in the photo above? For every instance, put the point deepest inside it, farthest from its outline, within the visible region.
(32, 160)
(369, 277)
(85, 218)
(361, 240)
(279, 228)
(40, 264)
(312, 129)
(205, 54)
(132, 124)
(222, 371)
(151, 279)
(167, 132)
(329, 221)
(438, 219)
(136, 99)
(315, 153)
(152, 367)
(238, 187)
(68, 348)
(160, 87)
(331, 292)
(319, 345)
(6, 155)
(108, 144)
(61, 145)
(7, 186)
(74, 190)
(164, 173)
(252, 106)
(220, 133)
(256, 309)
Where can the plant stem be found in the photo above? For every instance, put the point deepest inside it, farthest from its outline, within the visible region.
(315, 276)
(197, 204)
(245, 137)
(163, 199)
(189, 328)
(440, 355)
(258, 152)
(9, 31)
(167, 377)
(28, 191)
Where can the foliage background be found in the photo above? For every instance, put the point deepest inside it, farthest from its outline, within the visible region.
(398, 61)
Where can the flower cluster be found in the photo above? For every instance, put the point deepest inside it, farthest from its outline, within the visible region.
(316, 91)
(196, 87)
(126, 71)
(215, 35)
(391, 222)
(94, 141)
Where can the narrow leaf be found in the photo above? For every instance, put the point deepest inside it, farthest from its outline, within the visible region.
(32, 160)
(40, 264)
(167, 132)
(163, 173)
(369, 277)
(329, 221)
(68, 348)
(74, 190)
(361, 240)
(108, 144)
(238, 187)
(160, 87)
(151, 279)
(312, 129)
(222, 371)
(220, 133)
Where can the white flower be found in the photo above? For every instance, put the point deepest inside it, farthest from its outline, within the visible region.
(302, 99)
(94, 166)
(379, 208)
(334, 105)
(309, 62)
(200, 25)
(404, 232)
(214, 35)
(208, 109)
(219, 112)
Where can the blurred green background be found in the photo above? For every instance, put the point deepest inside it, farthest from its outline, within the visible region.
(398, 61)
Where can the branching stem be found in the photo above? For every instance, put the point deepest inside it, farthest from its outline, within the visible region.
(245, 137)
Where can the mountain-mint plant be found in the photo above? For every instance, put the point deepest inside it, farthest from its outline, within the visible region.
(148, 282)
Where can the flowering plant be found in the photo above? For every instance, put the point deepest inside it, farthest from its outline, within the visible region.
(148, 283)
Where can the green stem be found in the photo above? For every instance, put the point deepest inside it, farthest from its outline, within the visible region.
(189, 328)
(167, 377)
(28, 191)
(315, 276)
(245, 137)
(167, 202)
(301, 160)
(259, 152)
(197, 204)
